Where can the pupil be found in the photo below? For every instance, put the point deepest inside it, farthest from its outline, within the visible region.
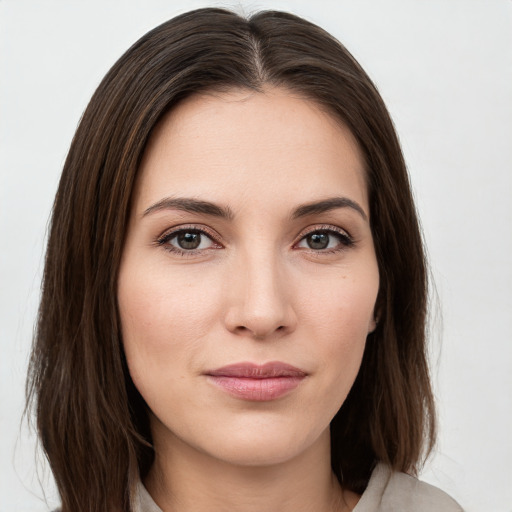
(189, 240)
(318, 240)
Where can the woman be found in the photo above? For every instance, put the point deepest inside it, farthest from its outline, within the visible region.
(234, 300)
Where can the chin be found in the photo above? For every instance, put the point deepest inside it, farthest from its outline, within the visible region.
(262, 452)
(263, 445)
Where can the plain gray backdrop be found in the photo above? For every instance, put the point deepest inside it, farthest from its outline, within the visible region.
(444, 68)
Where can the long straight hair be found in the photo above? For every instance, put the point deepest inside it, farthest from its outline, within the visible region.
(92, 422)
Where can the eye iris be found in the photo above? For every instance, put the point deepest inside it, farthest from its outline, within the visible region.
(318, 240)
(189, 240)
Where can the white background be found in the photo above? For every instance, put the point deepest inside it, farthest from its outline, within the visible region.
(444, 68)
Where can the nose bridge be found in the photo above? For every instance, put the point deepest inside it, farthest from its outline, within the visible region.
(260, 302)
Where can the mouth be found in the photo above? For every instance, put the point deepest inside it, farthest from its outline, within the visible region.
(257, 383)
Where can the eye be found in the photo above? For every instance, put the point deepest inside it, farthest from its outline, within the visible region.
(328, 240)
(190, 240)
(187, 240)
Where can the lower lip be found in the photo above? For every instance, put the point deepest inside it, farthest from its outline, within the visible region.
(256, 390)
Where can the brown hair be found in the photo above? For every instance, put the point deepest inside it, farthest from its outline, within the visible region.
(92, 421)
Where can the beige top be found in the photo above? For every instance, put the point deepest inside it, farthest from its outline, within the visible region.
(387, 491)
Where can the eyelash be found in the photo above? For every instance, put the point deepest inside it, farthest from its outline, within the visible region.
(345, 240)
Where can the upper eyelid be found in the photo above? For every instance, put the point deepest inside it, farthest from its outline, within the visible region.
(172, 232)
(323, 227)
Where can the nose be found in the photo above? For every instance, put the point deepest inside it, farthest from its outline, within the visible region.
(260, 304)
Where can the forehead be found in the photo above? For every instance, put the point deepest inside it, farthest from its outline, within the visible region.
(241, 145)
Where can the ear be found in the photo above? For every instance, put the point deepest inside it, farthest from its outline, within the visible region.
(372, 325)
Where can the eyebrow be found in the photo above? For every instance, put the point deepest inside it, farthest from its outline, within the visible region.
(190, 205)
(208, 208)
(327, 205)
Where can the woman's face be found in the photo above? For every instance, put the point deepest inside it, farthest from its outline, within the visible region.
(248, 280)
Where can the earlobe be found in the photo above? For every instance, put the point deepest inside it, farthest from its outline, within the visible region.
(373, 323)
(376, 317)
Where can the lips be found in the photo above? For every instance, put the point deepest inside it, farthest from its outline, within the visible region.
(253, 382)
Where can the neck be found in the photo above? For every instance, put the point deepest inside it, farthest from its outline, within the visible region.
(184, 480)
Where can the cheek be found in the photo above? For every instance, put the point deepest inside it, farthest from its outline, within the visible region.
(343, 306)
(164, 319)
(340, 318)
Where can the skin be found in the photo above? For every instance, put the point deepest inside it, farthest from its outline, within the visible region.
(253, 291)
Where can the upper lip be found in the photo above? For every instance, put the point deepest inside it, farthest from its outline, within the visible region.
(257, 371)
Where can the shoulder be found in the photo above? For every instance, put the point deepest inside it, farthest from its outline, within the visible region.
(397, 492)
(412, 494)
